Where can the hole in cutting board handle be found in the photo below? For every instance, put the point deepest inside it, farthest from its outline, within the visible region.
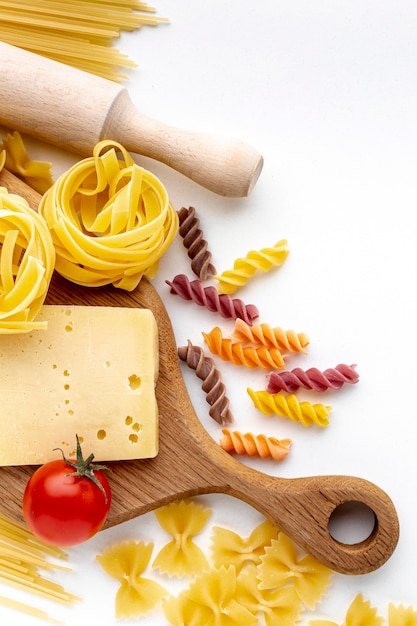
(352, 522)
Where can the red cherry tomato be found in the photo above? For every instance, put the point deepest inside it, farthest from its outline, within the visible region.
(67, 501)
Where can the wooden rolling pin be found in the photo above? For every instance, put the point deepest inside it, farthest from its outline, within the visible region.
(74, 110)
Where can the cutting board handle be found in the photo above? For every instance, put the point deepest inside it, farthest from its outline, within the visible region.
(304, 509)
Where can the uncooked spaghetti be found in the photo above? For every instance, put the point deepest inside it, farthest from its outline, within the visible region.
(76, 32)
(22, 557)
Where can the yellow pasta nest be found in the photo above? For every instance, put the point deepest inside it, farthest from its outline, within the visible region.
(27, 259)
(111, 220)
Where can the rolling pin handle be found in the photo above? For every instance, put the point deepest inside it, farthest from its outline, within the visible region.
(226, 166)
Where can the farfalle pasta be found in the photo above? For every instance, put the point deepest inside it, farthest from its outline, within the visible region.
(196, 245)
(401, 615)
(254, 445)
(256, 260)
(229, 547)
(267, 335)
(37, 174)
(181, 556)
(27, 258)
(281, 565)
(289, 406)
(206, 370)
(209, 599)
(210, 298)
(243, 354)
(361, 613)
(126, 562)
(111, 220)
(277, 606)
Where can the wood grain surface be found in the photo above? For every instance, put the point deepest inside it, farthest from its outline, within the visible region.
(191, 463)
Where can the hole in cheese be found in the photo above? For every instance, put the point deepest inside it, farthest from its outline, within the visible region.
(134, 382)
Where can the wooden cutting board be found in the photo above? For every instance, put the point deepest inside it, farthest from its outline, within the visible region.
(190, 463)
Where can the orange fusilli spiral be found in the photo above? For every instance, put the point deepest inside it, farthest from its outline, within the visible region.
(289, 406)
(268, 336)
(254, 445)
(243, 269)
(240, 354)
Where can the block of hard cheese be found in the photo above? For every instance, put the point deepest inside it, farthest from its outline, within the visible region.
(92, 373)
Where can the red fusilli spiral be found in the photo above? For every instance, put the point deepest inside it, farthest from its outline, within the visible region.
(209, 297)
(313, 378)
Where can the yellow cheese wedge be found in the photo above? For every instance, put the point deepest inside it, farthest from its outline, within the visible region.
(92, 373)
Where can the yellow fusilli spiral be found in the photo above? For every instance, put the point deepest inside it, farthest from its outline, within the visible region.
(243, 269)
(289, 406)
(254, 445)
(268, 336)
(27, 258)
(110, 219)
(239, 354)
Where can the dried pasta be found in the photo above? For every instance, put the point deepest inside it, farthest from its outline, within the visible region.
(255, 445)
(37, 174)
(312, 378)
(266, 335)
(288, 406)
(278, 606)
(229, 547)
(110, 219)
(181, 556)
(78, 32)
(360, 613)
(126, 562)
(27, 259)
(210, 298)
(240, 354)
(215, 390)
(22, 557)
(280, 565)
(195, 244)
(209, 599)
(401, 615)
(256, 260)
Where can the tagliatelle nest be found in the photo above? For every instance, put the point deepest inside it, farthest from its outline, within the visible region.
(111, 220)
(27, 259)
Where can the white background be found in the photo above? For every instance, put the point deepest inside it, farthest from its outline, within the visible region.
(327, 92)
